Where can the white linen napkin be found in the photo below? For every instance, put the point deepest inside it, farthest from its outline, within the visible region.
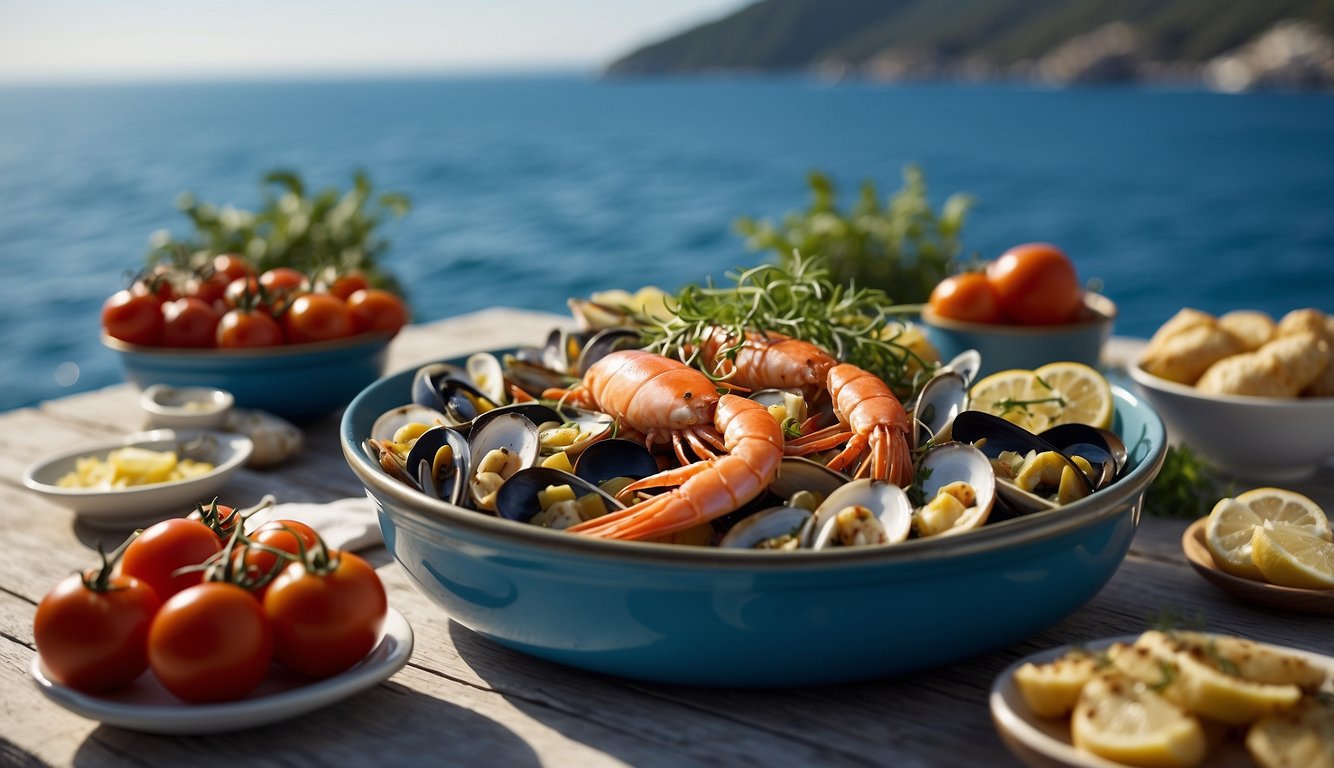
(348, 524)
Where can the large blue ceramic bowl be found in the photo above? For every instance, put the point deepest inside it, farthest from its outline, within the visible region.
(705, 616)
(298, 382)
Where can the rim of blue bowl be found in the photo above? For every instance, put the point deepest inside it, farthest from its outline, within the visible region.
(359, 341)
(1032, 528)
(1102, 311)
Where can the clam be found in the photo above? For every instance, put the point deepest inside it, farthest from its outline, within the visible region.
(499, 448)
(940, 400)
(488, 376)
(960, 490)
(967, 363)
(390, 422)
(439, 462)
(861, 513)
(518, 498)
(772, 528)
(800, 475)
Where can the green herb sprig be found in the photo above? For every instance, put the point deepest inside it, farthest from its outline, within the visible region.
(1186, 487)
(800, 300)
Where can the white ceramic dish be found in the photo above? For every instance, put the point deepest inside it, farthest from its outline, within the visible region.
(1258, 438)
(146, 706)
(141, 504)
(186, 407)
(1045, 742)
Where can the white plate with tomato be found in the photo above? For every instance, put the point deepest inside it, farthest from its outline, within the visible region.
(145, 705)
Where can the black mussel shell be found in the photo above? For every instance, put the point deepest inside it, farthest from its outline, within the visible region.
(517, 498)
(448, 483)
(615, 457)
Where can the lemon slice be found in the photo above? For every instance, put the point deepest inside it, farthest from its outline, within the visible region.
(1293, 557)
(1211, 687)
(1228, 533)
(1017, 396)
(1124, 720)
(1304, 736)
(1085, 396)
(1287, 507)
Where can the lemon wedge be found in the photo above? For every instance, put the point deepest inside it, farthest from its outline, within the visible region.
(1211, 687)
(1085, 396)
(1303, 736)
(1228, 533)
(1293, 557)
(1017, 396)
(1124, 720)
(1051, 689)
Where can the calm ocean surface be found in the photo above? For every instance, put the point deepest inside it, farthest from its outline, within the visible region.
(528, 190)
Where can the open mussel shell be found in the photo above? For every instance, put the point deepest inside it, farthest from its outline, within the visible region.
(1102, 448)
(562, 348)
(517, 498)
(439, 463)
(967, 364)
(942, 398)
(603, 343)
(887, 503)
(536, 412)
(615, 457)
(426, 383)
(798, 473)
(993, 435)
(960, 462)
(488, 376)
(781, 526)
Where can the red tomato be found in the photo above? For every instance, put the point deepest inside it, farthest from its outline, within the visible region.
(133, 317)
(348, 283)
(91, 630)
(232, 266)
(325, 616)
(163, 548)
(243, 290)
(1036, 284)
(968, 296)
(316, 317)
(156, 282)
(376, 310)
(289, 536)
(189, 322)
(220, 518)
(241, 328)
(211, 288)
(210, 643)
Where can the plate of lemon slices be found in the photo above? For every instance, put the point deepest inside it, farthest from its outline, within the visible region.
(1268, 546)
(1168, 698)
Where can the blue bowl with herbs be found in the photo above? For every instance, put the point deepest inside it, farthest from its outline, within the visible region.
(740, 617)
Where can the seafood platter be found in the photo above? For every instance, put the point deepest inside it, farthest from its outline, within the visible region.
(748, 509)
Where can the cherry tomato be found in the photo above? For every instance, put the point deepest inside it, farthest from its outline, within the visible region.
(189, 322)
(291, 536)
(211, 288)
(210, 642)
(968, 296)
(220, 518)
(374, 309)
(326, 616)
(165, 547)
(232, 266)
(242, 291)
(348, 283)
(92, 629)
(133, 317)
(1036, 284)
(316, 317)
(241, 328)
(157, 282)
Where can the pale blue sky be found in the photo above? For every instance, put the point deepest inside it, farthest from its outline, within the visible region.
(43, 40)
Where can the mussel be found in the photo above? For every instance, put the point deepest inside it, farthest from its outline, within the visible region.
(772, 528)
(995, 436)
(519, 498)
(440, 462)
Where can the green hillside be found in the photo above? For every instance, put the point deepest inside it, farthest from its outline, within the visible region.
(793, 35)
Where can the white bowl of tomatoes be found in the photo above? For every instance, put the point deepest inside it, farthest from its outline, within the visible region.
(278, 340)
(1023, 310)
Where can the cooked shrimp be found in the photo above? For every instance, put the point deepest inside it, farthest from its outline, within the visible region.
(768, 360)
(870, 419)
(707, 489)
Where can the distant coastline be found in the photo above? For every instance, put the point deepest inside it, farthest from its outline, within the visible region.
(1258, 45)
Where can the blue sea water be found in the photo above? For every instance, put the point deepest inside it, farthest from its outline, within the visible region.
(530, 189)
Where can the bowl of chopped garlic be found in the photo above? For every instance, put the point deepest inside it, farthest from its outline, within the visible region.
(1250, 394)
(141, 478)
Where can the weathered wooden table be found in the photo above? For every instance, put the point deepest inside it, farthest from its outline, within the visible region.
(464, 700)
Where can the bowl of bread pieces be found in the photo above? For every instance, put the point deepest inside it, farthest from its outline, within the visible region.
(1250, 393)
